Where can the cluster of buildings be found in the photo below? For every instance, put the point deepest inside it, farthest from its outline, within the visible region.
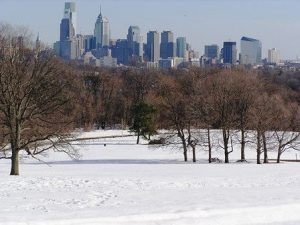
(159, 50)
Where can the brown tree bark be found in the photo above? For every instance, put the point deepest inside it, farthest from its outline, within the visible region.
(265, 149)
(243, 143)
(226, 142)
(138, 138)
(258, 147)
(278, 156)
(15, 163)
(209, 145)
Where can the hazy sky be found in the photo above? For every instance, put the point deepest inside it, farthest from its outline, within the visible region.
(275, 22)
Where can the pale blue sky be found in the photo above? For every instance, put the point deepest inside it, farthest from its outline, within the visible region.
(275, 22)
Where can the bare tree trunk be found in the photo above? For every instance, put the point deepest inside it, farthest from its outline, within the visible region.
(14, 162)
(184, 150)
(266, 160)
(225, 141)
(209, 145)
(194, 153)
(243, 143)
(191, 142)
(138, 138)
(278, 154)
(258, 148)
(180, 133)
(15, 144)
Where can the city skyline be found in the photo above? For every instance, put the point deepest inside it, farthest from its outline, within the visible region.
(199, 21)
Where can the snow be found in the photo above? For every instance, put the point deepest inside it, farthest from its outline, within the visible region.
(127, 184)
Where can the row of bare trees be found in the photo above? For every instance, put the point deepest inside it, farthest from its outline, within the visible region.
(42, 100)
(233, 101)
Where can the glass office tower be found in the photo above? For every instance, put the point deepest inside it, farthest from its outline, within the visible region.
(229, 52)
(251, 51)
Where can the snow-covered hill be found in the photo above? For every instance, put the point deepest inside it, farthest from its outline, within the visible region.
(127, 184)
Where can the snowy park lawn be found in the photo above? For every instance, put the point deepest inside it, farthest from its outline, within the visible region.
(127, 184)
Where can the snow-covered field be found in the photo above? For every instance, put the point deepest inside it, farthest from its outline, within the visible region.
(127, 184)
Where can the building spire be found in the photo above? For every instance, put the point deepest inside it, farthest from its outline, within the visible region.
(38, 43)
(100, 10)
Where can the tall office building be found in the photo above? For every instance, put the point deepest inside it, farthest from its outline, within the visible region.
(80, 45)
(273, 56)
(66, 30)
(153, 49)
(167, 45)
(102, 31)
(251, 51)
(121, 51)
(212, 51)
(89, 42)
(70, 13)
(135, 43)
(181, 47)
(229, 52)
(67, 48)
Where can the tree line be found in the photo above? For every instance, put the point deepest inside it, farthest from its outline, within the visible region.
(44, 99)
(183, 101)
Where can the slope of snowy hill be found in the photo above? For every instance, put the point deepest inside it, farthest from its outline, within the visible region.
(127, 184)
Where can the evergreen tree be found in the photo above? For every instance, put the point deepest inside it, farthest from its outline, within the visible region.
(143, 120)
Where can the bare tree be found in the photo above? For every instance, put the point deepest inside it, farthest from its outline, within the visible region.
(244, 87)
(287, 128)
(263, 115)
(203, 112)
(35, 101)
(175, 110)
(223, 99)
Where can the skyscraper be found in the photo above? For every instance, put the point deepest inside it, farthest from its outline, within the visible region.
(251, 51)
(229, 52)
(70, 13)
(89, 42)
(66, 30)
(273, 56)
(212, 51)
(181, 47)
(135, 43)
(167, 46)
(121, 51)
(67, 44)
(102, 31)
(153, 49)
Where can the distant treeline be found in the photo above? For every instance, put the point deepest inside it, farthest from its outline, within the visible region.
(43, 99)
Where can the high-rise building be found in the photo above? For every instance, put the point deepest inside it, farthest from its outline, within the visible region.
(70, 13)
(80, 45)
(66, 30)
(135, 43)
(89, 42)
(56, 47)
(167, 45)
(181, 47)
(153, 49)
(273, 56)
(229, 52)
(67, 48)
(121, 51)
(212, 51)
(251, 51)
(102, 31)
